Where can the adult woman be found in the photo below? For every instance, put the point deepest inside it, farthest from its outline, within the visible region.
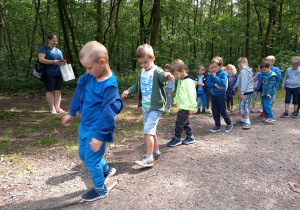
(53, 57)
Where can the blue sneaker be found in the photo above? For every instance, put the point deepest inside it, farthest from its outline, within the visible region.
(189, 140)
(95, 194)
(174, 142)
(215, 129)
(228, 128)
(109, 173)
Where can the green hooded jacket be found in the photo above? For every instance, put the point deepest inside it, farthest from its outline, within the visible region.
(186, 96)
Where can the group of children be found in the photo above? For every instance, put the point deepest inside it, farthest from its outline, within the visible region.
(97, 99)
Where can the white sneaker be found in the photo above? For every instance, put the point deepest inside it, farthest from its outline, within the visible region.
(61, 111)
(168, 111)
(53, 111)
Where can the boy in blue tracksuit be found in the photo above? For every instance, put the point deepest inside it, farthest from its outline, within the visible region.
(216, 82)
(267, 85)
(201, 95)
(97, 99)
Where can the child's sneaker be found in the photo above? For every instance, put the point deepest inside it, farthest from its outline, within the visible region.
(269, 120)
(264, 119)
(198, 112)
(168, 111)
(228, 128)
(247, 126)
(273, 119)
(260, 109)
(262, 114)
(285, 114)
(95, 194)
(203, 111)
(253, 109)
(207, 110)
(189, 140)
(239, 123)
(215, 129)
(109, 173)
(295, 114)
(174, 142)
(145, 162)
(232, 109)
(156, 155)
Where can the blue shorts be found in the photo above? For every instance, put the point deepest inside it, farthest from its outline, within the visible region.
(53, 83)
(151, 118)
(245, 104)
(288, 95)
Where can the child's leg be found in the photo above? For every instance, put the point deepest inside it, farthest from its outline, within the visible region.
(245, 108)
(222, 108)
(169, 98)
(203, 96)
(267, 106)
(198, 101)
(181, 123)
(207, 99)
(149, 144)
(215, 109)
(296, 98)
(231, 100)
(228, 100)
(254, 99)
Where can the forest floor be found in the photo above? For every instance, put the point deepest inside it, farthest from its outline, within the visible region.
(257, 168)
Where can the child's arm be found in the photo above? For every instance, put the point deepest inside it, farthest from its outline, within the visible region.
(284, 79)
(132, 89)
(191, 96)
(220, 79)
(209, 82)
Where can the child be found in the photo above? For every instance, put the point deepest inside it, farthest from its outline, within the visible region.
(232, 78)
(97, 99)
(271, 60)
(292, 82)
(186, 102)
(200, 89)
(267, 82)
(152, 99)
(244, 86)
(216, 82)
(207, 90)
(169, 89)
(255, 93)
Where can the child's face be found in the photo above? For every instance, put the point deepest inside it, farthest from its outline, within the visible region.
(229, 70)
(146, 62)
(266, 70)
(295, 66)
(200, 71)
(258, 69)
(167, 70)
(180, 74)
(93, 68)
(215, 67)
(209, 69)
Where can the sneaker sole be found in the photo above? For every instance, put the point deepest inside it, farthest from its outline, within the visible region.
(227, 131)
(110, 175)
(186, 143)
(140, 163)
(284, 116)
(214, 131)
(246, 128)
(97, 198)
(174, 145)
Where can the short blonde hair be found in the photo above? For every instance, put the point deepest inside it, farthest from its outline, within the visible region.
(93, 50)
(270, 58)
(144, 50)
(233, 68)
(216, 61)
(295, 60)
(243, 60)
(178, 65)
(219, 59)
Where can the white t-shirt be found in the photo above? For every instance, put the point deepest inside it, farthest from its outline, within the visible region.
(146, 80)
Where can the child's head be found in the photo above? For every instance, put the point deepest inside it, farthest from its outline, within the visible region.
(242, 62)
(94, 57)
(295, 62)
(167, 67)
(216, 64)
(231, 69)
(265, 67)
(270, 59)
(145, 56)
(219, 59)
(178, 68)
(209, 69)
(258, 69)
(200, 70)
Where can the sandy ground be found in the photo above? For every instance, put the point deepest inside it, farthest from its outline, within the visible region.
(252, 169)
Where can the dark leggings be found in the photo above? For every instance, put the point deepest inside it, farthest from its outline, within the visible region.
(229, 99)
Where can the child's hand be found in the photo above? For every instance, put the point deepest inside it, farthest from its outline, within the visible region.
(96, 145)
(67, 120)
(269, 96)
(172, 92)
(170, 76)
(234, 89)
(125, 94)
(282, 89)
(191, 112)
(240, 97)
(214, 74)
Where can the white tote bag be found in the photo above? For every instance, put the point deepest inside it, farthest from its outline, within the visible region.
(67, 72)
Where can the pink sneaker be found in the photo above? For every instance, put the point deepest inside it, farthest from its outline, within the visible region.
(252, 110)
(232, 109)
(260, 109)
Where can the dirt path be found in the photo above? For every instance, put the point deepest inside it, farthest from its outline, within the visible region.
(238, 170)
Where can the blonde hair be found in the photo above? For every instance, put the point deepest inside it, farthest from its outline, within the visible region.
(178, 65)
(270, 58)
(144, 50)
(243, 60)
(233, 68)
(216, 61)
(219, 59)
(295, 60)
(93, 50)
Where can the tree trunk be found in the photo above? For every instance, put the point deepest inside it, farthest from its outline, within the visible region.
(272, 11)
(156, 21)
(99, 36)
(248, 31)
(142, 23)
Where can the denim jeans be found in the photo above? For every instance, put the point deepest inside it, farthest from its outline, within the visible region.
(201, 97)
(266, 102)
(218, 103)
(169, 98)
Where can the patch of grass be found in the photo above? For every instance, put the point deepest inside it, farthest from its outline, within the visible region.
(52, 121)
(46, 140)
(7, 115)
